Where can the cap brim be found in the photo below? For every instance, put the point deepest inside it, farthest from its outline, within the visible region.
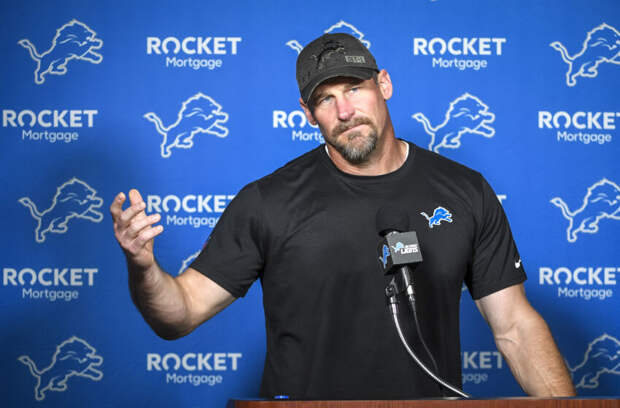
(354, 72)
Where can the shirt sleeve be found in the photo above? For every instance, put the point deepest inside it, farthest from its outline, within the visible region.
(233, 256)
(496, 262)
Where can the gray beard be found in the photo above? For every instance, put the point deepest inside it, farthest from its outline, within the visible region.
(356, 154)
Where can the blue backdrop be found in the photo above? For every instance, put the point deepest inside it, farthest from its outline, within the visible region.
(100, 97)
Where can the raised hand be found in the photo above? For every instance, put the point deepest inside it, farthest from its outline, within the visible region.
(134, 229)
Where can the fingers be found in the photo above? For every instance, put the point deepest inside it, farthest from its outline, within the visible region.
(145, 236)
(123, 218)
(135, 197)
(117, 205)
(138, 224)
(135, 211)
(138, 246)
(135, 200)
(133, 227)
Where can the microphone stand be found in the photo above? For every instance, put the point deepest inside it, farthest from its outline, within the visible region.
(391, 291)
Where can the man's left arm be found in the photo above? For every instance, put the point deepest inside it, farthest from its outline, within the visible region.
(524, 339)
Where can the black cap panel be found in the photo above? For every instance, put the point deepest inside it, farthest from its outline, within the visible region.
(353, 72)
(329, 56)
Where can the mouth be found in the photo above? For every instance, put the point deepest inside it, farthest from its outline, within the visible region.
(354, 126)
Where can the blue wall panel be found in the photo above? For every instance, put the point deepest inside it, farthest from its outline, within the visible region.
(546, 140)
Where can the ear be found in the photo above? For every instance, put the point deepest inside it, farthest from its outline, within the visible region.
(308, 113)
(385, 84)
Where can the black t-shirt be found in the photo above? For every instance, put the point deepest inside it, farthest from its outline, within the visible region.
(308, 232)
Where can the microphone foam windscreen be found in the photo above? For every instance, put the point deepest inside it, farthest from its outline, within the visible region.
(390, 218)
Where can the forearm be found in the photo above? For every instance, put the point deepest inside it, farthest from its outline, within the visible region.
(160, 300)
(534, 358)
(165, 302)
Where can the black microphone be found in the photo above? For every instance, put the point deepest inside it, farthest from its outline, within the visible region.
(391, 219)
(399, 254)
(398, 251)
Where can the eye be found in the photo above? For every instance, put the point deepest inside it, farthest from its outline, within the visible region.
(355, 89)
(325, 100)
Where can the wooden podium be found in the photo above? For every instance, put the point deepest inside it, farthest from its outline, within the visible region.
(526, 402)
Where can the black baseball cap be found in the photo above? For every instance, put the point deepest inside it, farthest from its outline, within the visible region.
(329, 56)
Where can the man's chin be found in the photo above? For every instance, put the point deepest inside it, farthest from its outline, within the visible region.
(357, 151)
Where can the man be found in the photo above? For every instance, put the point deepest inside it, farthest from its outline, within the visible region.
(308, 232)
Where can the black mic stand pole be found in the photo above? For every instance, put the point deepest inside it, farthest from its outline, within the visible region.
(394, 288)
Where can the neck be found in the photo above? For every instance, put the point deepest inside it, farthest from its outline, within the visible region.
(388, 156)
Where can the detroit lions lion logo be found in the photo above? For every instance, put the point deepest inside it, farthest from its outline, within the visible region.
(385, 253)
(74, 40)
(340, 27)
(73, 357)
(73, 199)
(601, 357)
(601, 201)
(187, 262)
(398, 247)
(198, 114)
(440, 214)
(602, 44)
(467, 115)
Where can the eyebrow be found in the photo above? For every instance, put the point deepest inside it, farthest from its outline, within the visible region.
(315, 98)
(348, 81)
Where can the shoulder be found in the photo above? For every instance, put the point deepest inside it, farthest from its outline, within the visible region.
(449, 176)
(297, 173)
(465, 186)
(287, 184)
(429, 161)
(296, 165)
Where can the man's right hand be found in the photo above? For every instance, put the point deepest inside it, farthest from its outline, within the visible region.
(172, 306)
(134, 229)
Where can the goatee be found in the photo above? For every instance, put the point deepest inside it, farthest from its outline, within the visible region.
(354, 153)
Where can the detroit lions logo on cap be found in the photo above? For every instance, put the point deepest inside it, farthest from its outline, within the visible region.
(440, 214)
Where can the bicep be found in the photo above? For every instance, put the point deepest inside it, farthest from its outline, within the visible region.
(505, 308)
(204, 297)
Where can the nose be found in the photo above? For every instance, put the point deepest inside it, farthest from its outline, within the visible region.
(345, 109)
